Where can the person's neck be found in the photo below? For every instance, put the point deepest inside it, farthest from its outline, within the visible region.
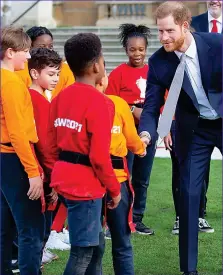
(85, 80)
(100, 88)
(137, 67)
(7, 65)
(187, 43)
(215, 16)
(37, 88)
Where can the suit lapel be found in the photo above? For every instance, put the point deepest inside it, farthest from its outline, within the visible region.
(204, 24)
(205, 60)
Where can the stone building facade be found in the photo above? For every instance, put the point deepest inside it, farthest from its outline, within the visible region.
(111, 13)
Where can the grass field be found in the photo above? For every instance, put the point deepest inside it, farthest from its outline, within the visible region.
(158, 254)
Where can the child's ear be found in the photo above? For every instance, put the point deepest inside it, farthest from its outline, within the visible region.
(34, 74)
(9, 53)
(96, 68)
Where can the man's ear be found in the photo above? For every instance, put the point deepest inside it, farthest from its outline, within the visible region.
(34, 74)
(186, 26)
(96, 68)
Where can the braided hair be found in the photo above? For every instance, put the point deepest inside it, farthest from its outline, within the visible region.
(130, 30)
(35, 32)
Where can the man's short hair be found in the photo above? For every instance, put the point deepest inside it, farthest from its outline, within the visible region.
(178, 10)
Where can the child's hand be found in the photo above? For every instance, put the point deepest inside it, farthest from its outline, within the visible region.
(53, 197)
(143, 154)
(36, 188)
(114, 202)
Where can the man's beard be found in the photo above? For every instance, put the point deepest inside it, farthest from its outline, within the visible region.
(214, 12)
(176, 45)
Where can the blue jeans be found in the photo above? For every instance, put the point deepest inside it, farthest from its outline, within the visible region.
(86, 237)
(48, 221)
(17, 210)
(117, 220)
(140, 169)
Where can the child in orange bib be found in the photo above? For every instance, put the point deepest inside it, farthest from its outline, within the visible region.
(119, 220)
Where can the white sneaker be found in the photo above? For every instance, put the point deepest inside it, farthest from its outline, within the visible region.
(54, 242)
(204, 226)
(64, 236)
(175, 230)
(50, 255)
(45, 258)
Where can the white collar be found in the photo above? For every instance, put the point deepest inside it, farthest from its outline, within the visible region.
(210, 18)
(190, 52)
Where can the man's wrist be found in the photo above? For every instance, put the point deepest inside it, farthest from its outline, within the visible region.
(145, 134)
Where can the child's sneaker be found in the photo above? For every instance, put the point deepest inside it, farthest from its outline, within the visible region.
(175, 230)
(54, 242)
(107, 234)
(64, 236)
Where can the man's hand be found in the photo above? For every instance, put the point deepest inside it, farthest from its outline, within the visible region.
(35, 189)
(168, 142)
(114, 202)
(146, 140)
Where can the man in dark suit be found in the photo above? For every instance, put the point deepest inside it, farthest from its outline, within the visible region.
(189, 66)
(210, 21)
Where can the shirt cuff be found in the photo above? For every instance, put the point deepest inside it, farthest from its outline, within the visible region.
(145, 134)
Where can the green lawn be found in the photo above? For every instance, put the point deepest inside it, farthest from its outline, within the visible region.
(158, 254)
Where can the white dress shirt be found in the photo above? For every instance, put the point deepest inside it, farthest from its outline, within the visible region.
(194, 74)
(219, 22)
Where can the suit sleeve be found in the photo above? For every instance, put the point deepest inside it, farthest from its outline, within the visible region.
(99, 124)
(153, 102)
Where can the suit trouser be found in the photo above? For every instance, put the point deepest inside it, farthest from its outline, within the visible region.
(18, 211)
(192, 174)
(176, 177)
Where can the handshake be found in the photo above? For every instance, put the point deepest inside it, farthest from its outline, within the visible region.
(146, 139)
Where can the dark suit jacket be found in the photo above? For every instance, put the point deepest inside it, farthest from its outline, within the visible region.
(200, 23)
(162, 67)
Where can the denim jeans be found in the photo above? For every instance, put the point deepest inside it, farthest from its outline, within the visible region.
(18, 211)
(117, 220)
(140, 169)
(48, 223)
(86, 237)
